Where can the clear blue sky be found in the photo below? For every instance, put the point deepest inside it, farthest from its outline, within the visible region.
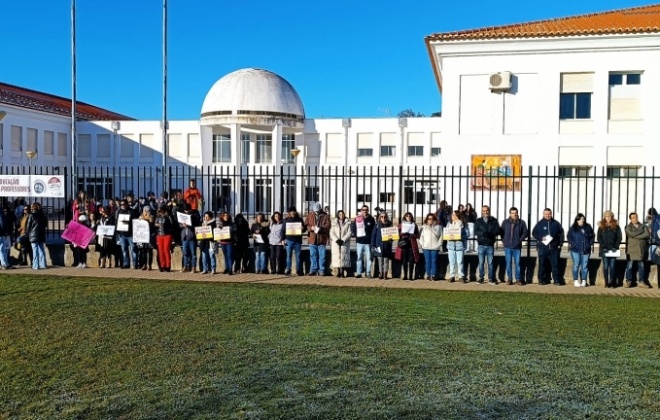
(345, 58)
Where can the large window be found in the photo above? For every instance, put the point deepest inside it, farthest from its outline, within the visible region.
(264, 148)
(222, 194)
(575, 96)
(625, 96)
(245, 148)
(312, 194)
(288, 144)
(221, 148)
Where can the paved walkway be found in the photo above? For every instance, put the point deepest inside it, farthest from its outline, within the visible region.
(335, 282)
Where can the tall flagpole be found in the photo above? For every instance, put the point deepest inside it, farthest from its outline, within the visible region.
(74, 177)
(164, 122)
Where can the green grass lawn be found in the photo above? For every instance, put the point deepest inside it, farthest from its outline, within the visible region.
(100, 348)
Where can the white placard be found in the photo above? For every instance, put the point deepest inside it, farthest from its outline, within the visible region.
(452, 233)
(184, 218)
(222, 234)
(293, 229)
(407, 227)
(546, 240)
(32, 186)
(140, 232)
(613, 254)
(122, 222)
(105, 230)
(258, 239)
(389, 234)
(203, 232)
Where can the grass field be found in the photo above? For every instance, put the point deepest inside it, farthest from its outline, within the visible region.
(99, 348)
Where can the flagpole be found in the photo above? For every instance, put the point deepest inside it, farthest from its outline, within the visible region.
(73, 98)
(164, 122)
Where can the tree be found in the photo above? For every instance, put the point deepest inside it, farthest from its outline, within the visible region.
(409, 113)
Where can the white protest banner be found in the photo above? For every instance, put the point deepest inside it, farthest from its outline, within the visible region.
(32, 186)
(140, 232)
(452, 233)
(122, 222)
(203, 232)
(184, 218)
(105, 230)
(220, 234)
(389, 234)
(407, 227)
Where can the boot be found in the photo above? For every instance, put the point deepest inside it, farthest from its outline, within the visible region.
(411, 268)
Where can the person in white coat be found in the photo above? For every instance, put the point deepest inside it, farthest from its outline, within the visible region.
(430, 238)
(340, 237)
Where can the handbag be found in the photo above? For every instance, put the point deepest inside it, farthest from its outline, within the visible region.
(398, 253)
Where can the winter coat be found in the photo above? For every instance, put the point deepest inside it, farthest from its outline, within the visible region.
(581, 238)
(164, 224)
(486, 231)
(341, 254)
(548, 227)
(636, 241)
(369, 224)
(242, 232)
(36, 227)
(322, 221)
(430, 237)
(609, 239)
(276, 234)
(458, 244)
(7, 223)
(188, 232)
(378, 243)
(264, 230)
(514, 232)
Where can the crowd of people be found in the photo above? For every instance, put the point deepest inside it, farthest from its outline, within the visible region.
(269, 245)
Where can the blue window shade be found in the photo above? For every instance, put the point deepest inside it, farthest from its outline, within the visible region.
(583, 105)
(634, 79)
(567, 106)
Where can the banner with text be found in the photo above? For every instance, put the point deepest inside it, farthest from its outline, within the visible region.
(32, 186)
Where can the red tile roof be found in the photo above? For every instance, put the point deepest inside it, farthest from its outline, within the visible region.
(643, 19)
(45, 102)
(635, 20)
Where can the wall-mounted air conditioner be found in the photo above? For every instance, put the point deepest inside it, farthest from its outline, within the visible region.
(500, 82)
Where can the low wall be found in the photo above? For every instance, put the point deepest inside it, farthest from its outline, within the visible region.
(62, 255)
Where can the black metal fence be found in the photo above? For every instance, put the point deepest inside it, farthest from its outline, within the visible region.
(265, 189)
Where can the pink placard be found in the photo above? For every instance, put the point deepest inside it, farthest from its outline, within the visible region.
(77, 234)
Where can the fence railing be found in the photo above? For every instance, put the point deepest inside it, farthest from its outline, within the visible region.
(419, 190)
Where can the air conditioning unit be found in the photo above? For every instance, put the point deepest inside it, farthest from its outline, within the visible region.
(500, 82)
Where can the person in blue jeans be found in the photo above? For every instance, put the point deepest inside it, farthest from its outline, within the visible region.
(549, 237)
(293, 230)
(430, 238)
(637, 238)
(124, 229)
(207, 246)
(486, 230)
(227, 241)
(188, 240)
(318, 228)
(580, 238)
(514, 232)
(260, 230)
(609, 240)
(362, 228)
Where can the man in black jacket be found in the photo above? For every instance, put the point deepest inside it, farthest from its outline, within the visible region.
(514, 232)
(486, 230)
(549, 237)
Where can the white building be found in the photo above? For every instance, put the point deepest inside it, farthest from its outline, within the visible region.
(577, 95)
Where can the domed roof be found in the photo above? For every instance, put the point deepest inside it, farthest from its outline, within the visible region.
(253, 92)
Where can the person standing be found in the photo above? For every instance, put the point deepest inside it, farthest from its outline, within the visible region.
(486, 230)
(241, 244)
(36, 232)
(124, 231)
(430, 238)
(193, 196)
(227, 243)
(207, 246)
(260, 231)
(382, 246)
(637, 236)
(609, 240)
(293, 240)
(456, 248)
(189, 241)
(549, 237)
(164, 225)
(470, 216)
(580, 238)
(318, 227)
(653, 223)
(409, 254)
(514, 232)
(362, 228)
(340, 237)
(276, 241)
(7, 224)
(22, 242)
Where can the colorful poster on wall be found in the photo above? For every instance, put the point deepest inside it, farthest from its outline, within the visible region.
(496, 172)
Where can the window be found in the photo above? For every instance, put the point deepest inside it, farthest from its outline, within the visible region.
(312, 194)
(386, 197)
(365, 152)
(61, 144)
(625, 96)
(575, 96)
(622, 171)
(387, 151)
(415, 150)
(416, 194)
(288, 144)
(573, 171)
(16, 138)
(263, 195)
(147, 144)
(221, 196)
(245, 148)
(221, 148)
(84, 146)
(32, 139)
(49, 143)
(264, 148)
(435, 151)
(288, 195)
(364, 198)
